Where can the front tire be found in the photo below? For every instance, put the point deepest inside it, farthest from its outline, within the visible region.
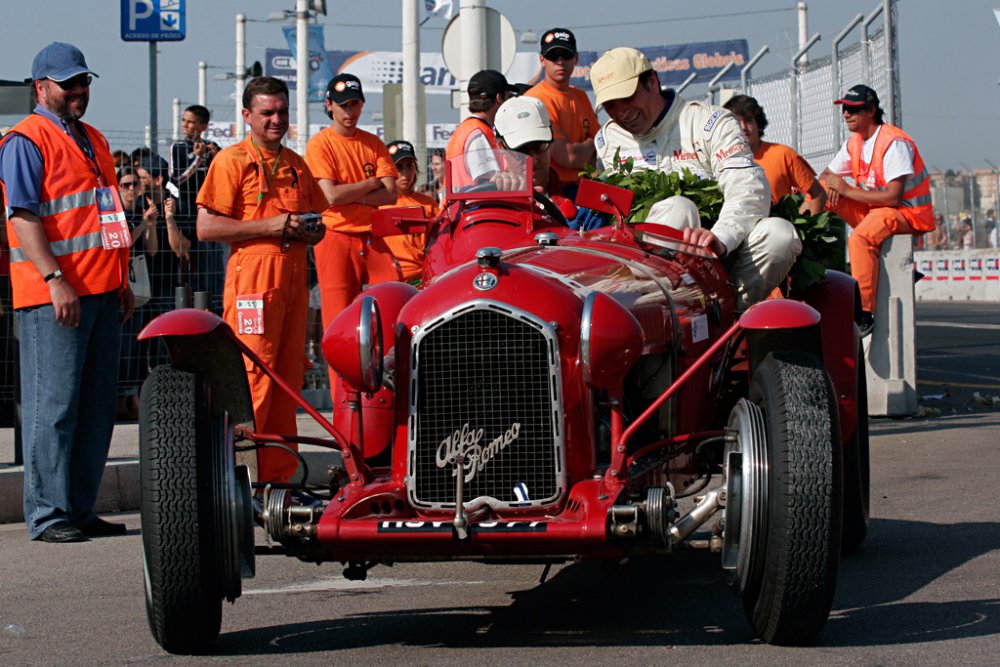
(195, 511)
(788, 583)
(857, 470)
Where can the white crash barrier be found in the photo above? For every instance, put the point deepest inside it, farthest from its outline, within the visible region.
(958, 275)
(890, 352)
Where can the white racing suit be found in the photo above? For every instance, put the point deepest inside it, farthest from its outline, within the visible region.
(708, 140)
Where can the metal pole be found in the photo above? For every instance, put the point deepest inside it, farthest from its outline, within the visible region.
(474, 47)
(866, 48)
(302, 74)
(411, 78)
(892, 65)
(837, 85)
(744, 73)
(713, 85)
(796, 130)
(177, 118)
(152, 96)
(202, 83)
(241, 72)
(687, 82)
(803, 34)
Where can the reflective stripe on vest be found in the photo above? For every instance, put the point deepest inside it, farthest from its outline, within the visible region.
(64, 247)
(67, 203)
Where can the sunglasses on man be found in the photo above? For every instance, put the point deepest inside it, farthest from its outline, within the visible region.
(81, 81)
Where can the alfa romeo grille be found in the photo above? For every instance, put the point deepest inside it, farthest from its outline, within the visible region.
(486, 385)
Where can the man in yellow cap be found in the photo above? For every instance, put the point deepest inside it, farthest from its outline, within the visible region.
(660, 131)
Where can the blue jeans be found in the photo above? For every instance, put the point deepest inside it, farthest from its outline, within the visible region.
(69, 379)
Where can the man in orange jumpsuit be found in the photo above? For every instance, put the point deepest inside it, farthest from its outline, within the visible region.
(252, 198)
(355, 172)
(409, 248)
(892, 194)
(574, 122)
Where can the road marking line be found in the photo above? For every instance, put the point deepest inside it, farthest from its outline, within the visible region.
(957, 325)
(960, 385)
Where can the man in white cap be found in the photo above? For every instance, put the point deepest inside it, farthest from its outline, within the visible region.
(69, 253)
(660, 131)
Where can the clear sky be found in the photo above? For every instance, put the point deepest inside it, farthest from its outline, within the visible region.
(949, 51)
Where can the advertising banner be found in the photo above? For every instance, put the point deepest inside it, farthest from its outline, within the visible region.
(674, 64)
(319, 67)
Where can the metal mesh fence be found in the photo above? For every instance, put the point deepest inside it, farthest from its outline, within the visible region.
(799, 104)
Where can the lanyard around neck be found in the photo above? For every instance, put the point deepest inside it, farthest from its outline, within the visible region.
(263, 163)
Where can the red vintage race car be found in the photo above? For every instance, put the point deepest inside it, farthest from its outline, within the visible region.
(548, 395)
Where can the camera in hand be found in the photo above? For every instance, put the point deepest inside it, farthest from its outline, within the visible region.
(312, 221)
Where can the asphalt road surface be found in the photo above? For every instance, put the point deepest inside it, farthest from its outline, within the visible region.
(923, 589)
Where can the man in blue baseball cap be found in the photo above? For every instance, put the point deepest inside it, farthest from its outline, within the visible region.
(69, 249)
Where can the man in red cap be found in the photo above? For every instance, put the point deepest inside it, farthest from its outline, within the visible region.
(891, 195)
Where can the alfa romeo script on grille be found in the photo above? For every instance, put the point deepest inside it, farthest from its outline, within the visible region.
(465, 442)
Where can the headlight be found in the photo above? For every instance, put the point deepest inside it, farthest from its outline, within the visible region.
(353, 345)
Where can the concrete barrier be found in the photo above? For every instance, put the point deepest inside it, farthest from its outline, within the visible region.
(958, 275)
(890, 352)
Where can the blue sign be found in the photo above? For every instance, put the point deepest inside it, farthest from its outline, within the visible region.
(153, 20)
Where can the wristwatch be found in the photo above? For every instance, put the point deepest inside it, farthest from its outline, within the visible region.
(55, 274)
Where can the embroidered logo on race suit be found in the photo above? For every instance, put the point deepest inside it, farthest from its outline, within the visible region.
(485, 282)
(599, 139)
(466, 442)
(685, 155)
(712, 120)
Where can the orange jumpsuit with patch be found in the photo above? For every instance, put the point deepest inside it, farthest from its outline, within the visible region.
(409, 248)
(245, 184)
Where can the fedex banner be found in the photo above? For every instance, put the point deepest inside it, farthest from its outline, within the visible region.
(674, 63)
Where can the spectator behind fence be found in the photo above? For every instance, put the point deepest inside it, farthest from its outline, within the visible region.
(787, 172)
(966, 234)
(122, 159)
(189, 161)
(170, 268)
(408, 249)
(253, 196)
(574, 122)
(70, 293)
(133, 361)
(660, 131)
(354, 170)
(892, 195)
(434, 188)
(937, 238)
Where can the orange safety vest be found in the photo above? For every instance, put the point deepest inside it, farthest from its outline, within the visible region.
(460, 176)
(68, 211)
(916, 206)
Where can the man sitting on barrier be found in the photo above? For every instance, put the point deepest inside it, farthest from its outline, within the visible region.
(892, 194)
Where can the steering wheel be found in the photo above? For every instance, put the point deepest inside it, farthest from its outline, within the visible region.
(488, 186)
(550, 208)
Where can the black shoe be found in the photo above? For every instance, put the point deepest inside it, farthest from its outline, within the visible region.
(62, 531)
(866, 323)
(101, 528)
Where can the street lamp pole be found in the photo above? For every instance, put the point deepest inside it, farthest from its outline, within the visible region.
(203, 83)
(302, 73)
(241, 71)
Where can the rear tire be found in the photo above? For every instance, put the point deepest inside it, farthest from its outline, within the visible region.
(857, 470)
(178, 445)
(792, 574)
